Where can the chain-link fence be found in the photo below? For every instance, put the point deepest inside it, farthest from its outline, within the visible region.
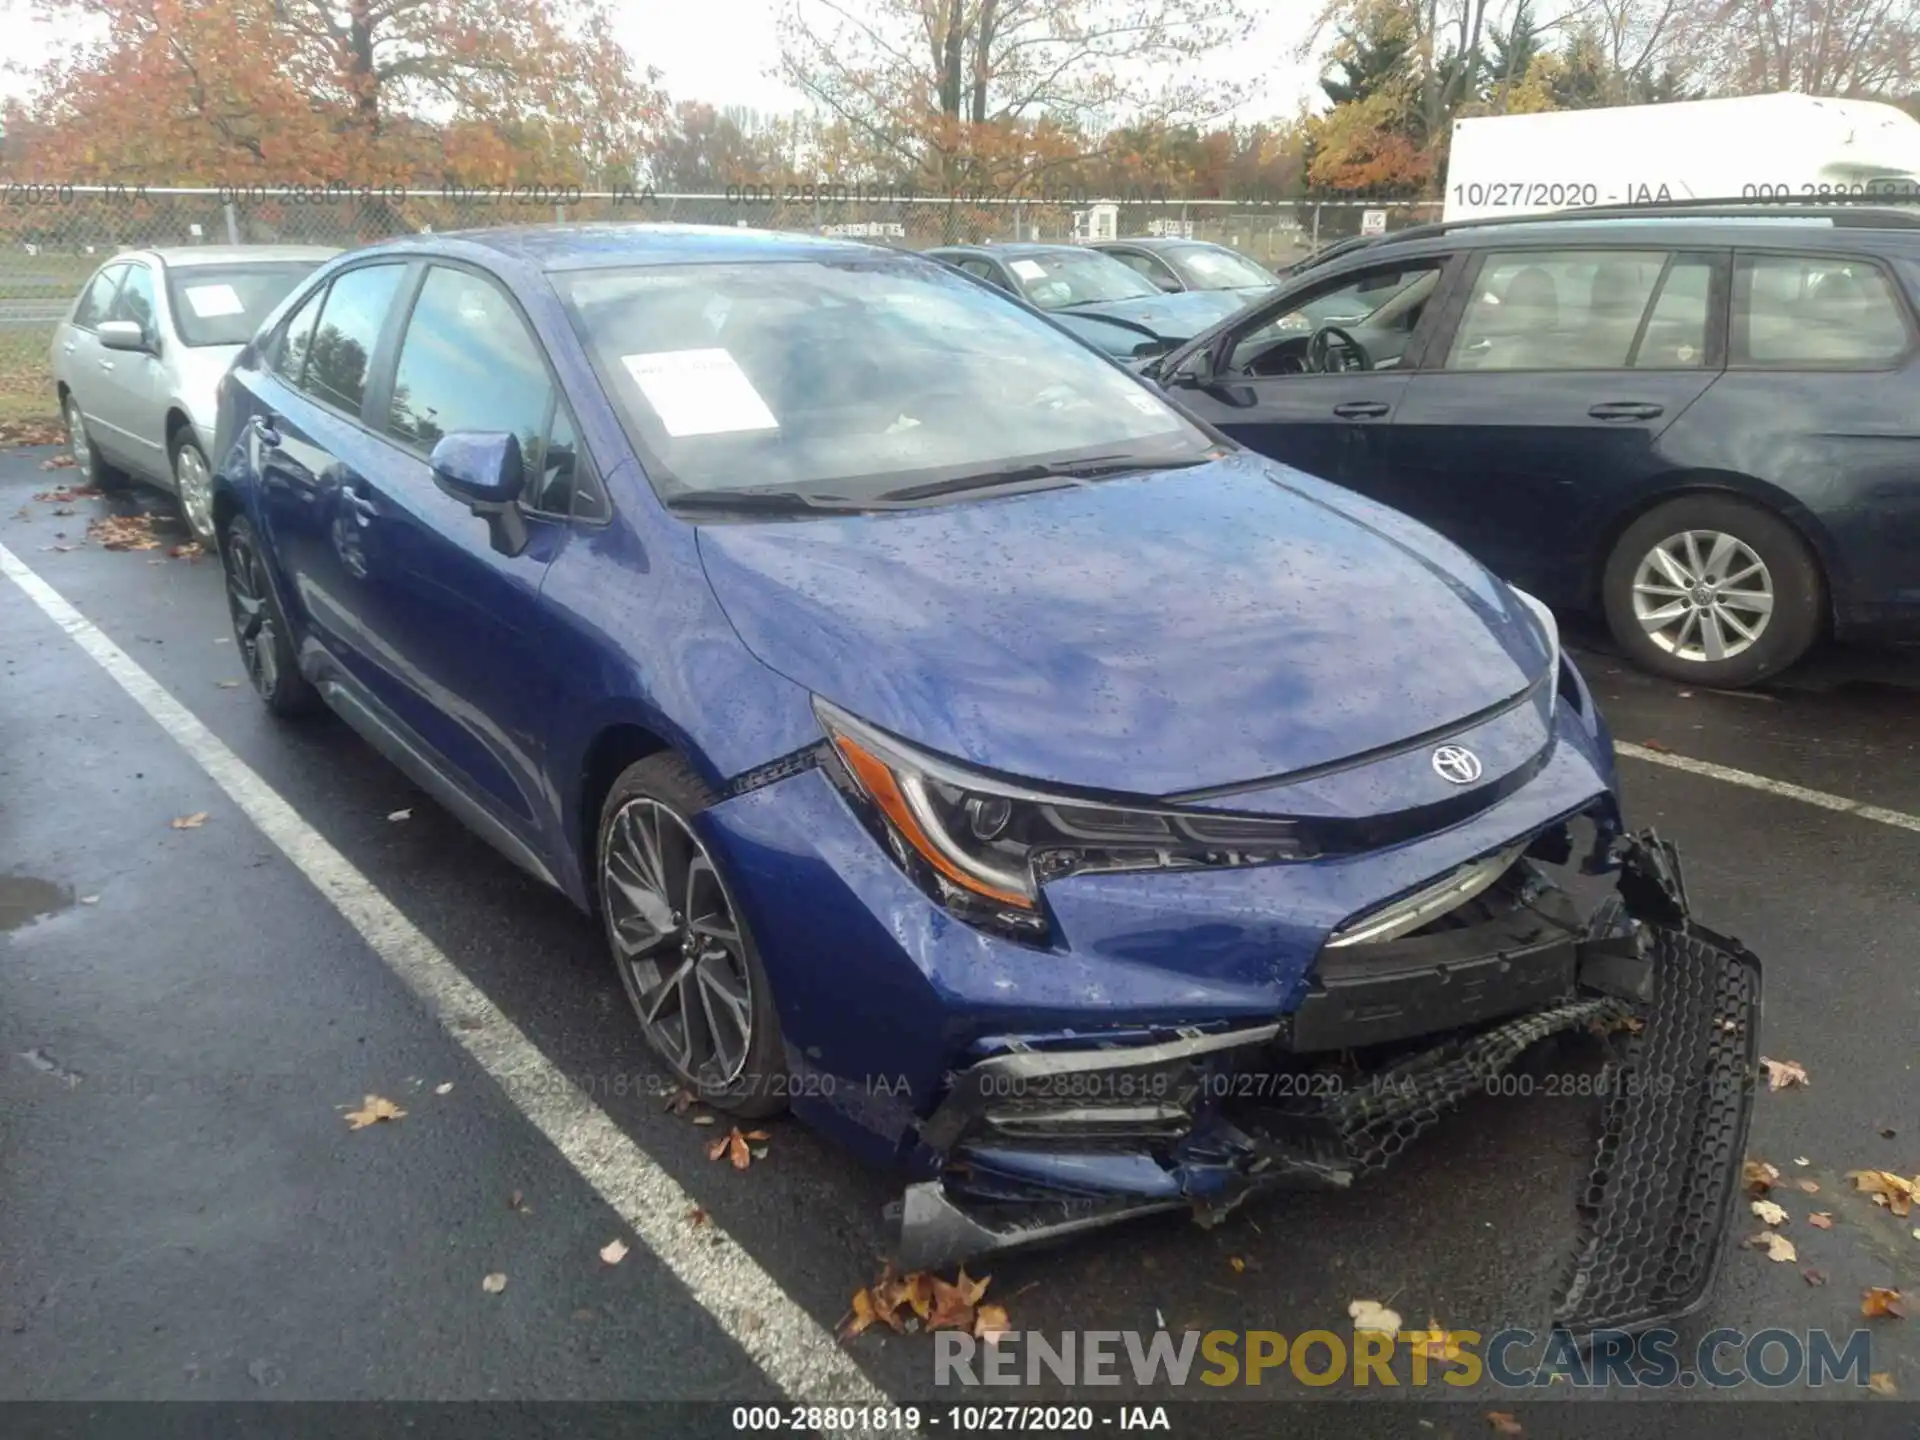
(53, 236)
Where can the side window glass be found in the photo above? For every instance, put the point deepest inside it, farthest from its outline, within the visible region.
(1816, 312)
(97, 303)
(342, 346)
(980, 270)
(550, 483)
(1135, 262)
(1556, 310)
(1350, 303)
(135, 300)
(469, 363)
(289, 353)
(1676, 333)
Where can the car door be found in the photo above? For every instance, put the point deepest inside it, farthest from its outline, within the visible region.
(80, 349)
(129, 422)
(464, 663)
(312, 452)
(1330, 423)
(1546, 403)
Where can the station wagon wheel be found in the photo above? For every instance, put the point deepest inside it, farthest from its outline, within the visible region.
(1713, 589)
(260, 632)
(683, 952)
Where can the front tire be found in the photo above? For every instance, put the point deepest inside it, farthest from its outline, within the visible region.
(260, 631)
(685, 957)
(1713, 590)
(193, 485)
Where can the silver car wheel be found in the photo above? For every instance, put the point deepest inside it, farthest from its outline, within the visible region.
(194, 484)
(1703, 595)
(678, 945)
(77, 444)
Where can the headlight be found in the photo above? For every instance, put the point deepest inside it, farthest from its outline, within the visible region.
(1549, 630)
(983, 846)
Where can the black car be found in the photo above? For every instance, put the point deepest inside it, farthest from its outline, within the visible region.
(1702, 422)
(1094, 295)
(1174, 265)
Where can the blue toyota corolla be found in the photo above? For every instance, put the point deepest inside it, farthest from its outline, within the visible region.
(958, 741)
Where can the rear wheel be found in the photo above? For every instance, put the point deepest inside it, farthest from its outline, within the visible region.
(1713, 590)
(684, 953)
(259, 629)
(94, 469)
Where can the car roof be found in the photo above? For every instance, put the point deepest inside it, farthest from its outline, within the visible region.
(182, 256)
(1016, 249)
(1157, 242)
(604, 246)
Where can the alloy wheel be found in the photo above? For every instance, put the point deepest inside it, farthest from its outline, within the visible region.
(1703, 595)
(253, 627)
(678, 944)
(77, 445)
(194, 484)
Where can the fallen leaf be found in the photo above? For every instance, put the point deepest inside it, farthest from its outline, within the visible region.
(444, 1088)
(1916, 1233)
(719, 1146)
(863, 1315)
(990, 1323)
(614, 1251)
(1801, 1160)
(1239, 1265)
(1887, 1189)
(190, 822)
(89, 899)
(737, 1150)
(400, 815)
(493, 1284)
(703, 1120)
(1779, 1249)
(973, 1290)
(1810, 1187)
(1372, 1315)
(123, 532)
(373, 1110)
(1821, 1220)
(191, 550)
(1503, 1423)
(680, 1101)
(1769, 1213)
(1880, 1301)
(697, 1216)
(758, 1135)
(228, 684)
(1758, 1174)
(1439, 1343)
(1656, 745)
(951, 1308)
(1887, 1132)
(1782, 1073)
(1881, 1382)
(516, 1201)
(1814, 1277)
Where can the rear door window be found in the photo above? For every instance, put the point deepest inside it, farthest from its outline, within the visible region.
(1558, 310)
(1815, 312)
(355, 311)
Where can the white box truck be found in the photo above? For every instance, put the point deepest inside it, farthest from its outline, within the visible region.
(1784, 147)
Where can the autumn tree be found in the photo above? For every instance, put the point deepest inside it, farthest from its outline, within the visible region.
(1820, 47)
(214, 91)
(704, 150)
(996, 93)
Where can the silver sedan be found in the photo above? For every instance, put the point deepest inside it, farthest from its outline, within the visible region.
(141, 352)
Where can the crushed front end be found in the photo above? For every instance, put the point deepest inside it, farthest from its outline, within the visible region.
(1409, 1010)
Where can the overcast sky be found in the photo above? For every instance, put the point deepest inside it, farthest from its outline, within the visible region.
(681, 40)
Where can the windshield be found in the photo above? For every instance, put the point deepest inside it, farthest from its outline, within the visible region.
(1058, 279)
(1206, 268)
(224, 304)
(852, 379)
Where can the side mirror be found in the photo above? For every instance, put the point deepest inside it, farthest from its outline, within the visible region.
(122, 335)
(482, 469)
(1195, 372)
(1168, 284)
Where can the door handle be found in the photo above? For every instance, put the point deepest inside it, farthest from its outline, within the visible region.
(67, 348)
(106, 364)
(1625, 410)
(264, 431)
(361, 504)
(1362, 410)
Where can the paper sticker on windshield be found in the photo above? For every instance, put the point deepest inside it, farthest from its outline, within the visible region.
(1145, 404)
(699, 392)
(1028, 269)
(209, 301)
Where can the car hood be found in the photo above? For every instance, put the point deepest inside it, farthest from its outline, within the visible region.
(1149, 634)
(1174, 317)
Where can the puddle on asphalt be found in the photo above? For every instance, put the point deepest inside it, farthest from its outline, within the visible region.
(23, 898)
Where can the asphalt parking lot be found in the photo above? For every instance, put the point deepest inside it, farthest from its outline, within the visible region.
(185, 1013)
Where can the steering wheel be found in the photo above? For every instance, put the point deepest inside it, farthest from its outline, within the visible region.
(1333, 351)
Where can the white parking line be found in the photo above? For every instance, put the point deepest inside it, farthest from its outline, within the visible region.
(1877, 813)
(796, 1353)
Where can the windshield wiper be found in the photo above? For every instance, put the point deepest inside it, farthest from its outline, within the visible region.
(1093, 467)
(762, 500)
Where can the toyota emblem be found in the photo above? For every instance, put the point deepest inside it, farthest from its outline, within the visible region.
(1456, 764)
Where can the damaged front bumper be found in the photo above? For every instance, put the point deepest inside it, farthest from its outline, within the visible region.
(1412, 1010)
